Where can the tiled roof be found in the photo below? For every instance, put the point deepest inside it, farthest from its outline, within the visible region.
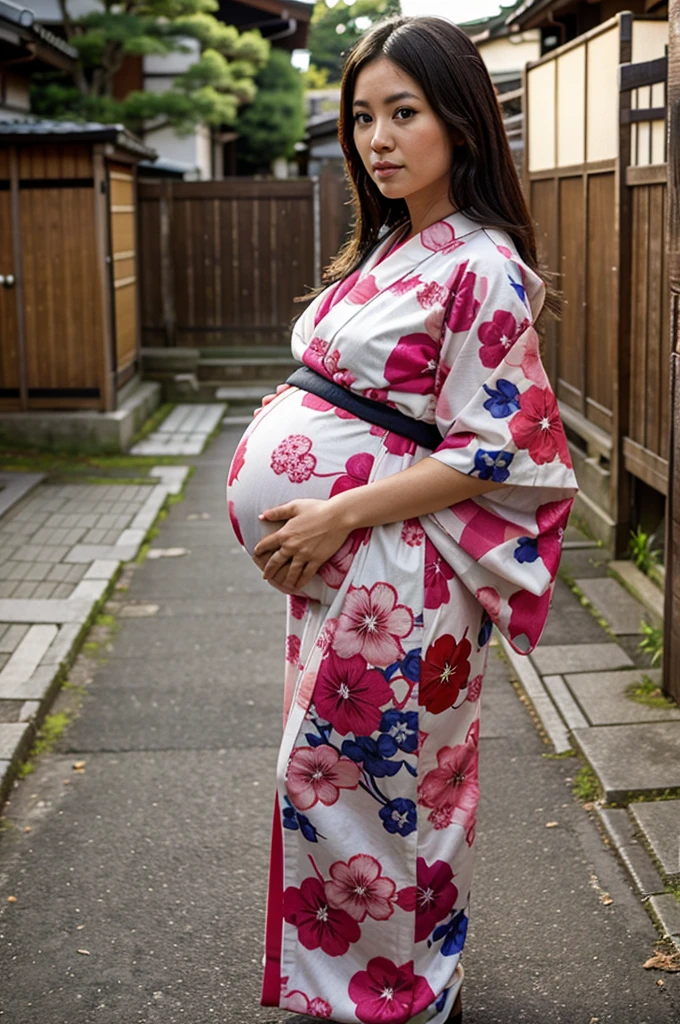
(25, 18)
(75, 131)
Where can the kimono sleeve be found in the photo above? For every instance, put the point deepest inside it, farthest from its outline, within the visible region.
(500, 422)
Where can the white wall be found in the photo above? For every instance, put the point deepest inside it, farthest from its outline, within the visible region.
(511, 53)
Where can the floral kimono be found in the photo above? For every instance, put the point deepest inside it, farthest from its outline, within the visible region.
(374, 827)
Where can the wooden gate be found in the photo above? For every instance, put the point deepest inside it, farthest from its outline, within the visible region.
(222, 262)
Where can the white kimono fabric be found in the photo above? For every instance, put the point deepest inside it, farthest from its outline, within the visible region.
(373, 837)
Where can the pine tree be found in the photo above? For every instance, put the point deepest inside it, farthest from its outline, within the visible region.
(270, 126)
(335, 30)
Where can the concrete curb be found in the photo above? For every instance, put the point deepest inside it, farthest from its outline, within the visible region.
(36, 669)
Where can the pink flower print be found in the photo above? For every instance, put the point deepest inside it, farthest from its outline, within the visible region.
(465, 307)
(527, 356)
(432, 294)
(498, 336)
(235, 523)
(349, 695)
(377, 394)
(529, 614)
(237, 462)
(317, 774)
(453, 785)
(314, 354)
(293, 649)
(298, 1002)
(434, 323)
(311, 401)
(319, 926)
(360, 888)
(456, 441)
(432, 898)
(373, 624)
(490, 600)
(437, 574)
(441, 376)
(358, 470)
(293, 456)
(440, 237)
(327, 634)
(504, 251)
(298, 606)
(538, 427)
(363, 292)
(474, 688)
(551, 520)
(334, 295)
(387, 994)
(406, 285)
(336, 568)
(412, 533)
(412, 364)
(395, 443)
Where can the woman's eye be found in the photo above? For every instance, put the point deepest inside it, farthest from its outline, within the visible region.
(404, 113)
(358, 118)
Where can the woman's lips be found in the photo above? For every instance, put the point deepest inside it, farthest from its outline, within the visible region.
(386, 172)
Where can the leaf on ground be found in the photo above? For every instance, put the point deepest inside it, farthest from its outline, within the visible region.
(28, 828)
(663, 962)
(11, 899)
(79, 765)
(606, 899)
(551, 824)
(85, 952)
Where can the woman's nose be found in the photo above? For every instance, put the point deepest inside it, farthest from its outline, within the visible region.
(381, 138)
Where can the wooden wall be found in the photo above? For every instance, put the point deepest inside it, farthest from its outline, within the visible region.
(222, 261)
(123, 199)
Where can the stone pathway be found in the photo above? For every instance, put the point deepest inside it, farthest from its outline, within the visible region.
(185, 431)
(59, 549)
(579, 680)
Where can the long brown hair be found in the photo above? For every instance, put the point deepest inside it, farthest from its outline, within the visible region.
(484, 183)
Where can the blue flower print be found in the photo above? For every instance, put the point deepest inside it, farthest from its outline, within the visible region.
(293, 820)
(519, 289)
(373, 754)
(402, 728)
(484, 630)
(526, 550)
(408, 666)
(453, 932)
(503, 400)
(492, 465)
(399, 817)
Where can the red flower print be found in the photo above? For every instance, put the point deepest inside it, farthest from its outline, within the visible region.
(336, 568)
(498, 336)
(349, 695)
(334, 295)
(412, 364)
(238, 461)
(360, 888)
(363, 291)
(432, 294)
(452, 788)
(529, 614)
(456, 441)
(235, 523)
(551, 520)
(332, 368)
(437, 574)
(358, 470)
(298, 606)
(317, 774)
(377, 394)
(444, 672)
(465, 306)
(373, 624)
(406, 285)
(318, 925)
(293, 456)
(314, 354)
(474, 688)
(440, 237)
(395, 443)
(537, 426)
(387, 994)
(432, 898)
(412, 533)
(298, 1002)
(293, 649)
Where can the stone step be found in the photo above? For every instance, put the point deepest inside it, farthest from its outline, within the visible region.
(633, 760)
(246, 369)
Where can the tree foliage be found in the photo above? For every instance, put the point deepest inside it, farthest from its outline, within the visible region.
(270, 126)
(335, 30)
(210, 90)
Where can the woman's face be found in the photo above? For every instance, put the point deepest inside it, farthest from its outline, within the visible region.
(405, 147)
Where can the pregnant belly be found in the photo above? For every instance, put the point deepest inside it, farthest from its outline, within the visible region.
(297, 447)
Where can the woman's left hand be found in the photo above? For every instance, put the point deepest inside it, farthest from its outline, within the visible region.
(314, 531)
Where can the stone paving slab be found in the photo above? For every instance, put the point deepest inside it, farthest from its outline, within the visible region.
(568, 708)
(543, 705)
(11, 737)
(633, 760)
(184, 431)
(602, 697)
(640, 586)
(14, 486)
(620, 830)
(667, 910)
(660, 823)
(25, 660)
(616, 606)
(560, 658)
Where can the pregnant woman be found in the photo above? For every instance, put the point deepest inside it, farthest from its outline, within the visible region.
(408, 490)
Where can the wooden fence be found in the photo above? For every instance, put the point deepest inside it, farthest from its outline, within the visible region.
(223, 261)
(595, 175)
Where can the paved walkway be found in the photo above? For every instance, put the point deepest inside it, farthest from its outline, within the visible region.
(140, 887)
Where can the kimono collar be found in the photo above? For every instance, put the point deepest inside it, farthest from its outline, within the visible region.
(443, 236)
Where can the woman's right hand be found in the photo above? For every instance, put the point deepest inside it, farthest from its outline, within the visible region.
(270, 398)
